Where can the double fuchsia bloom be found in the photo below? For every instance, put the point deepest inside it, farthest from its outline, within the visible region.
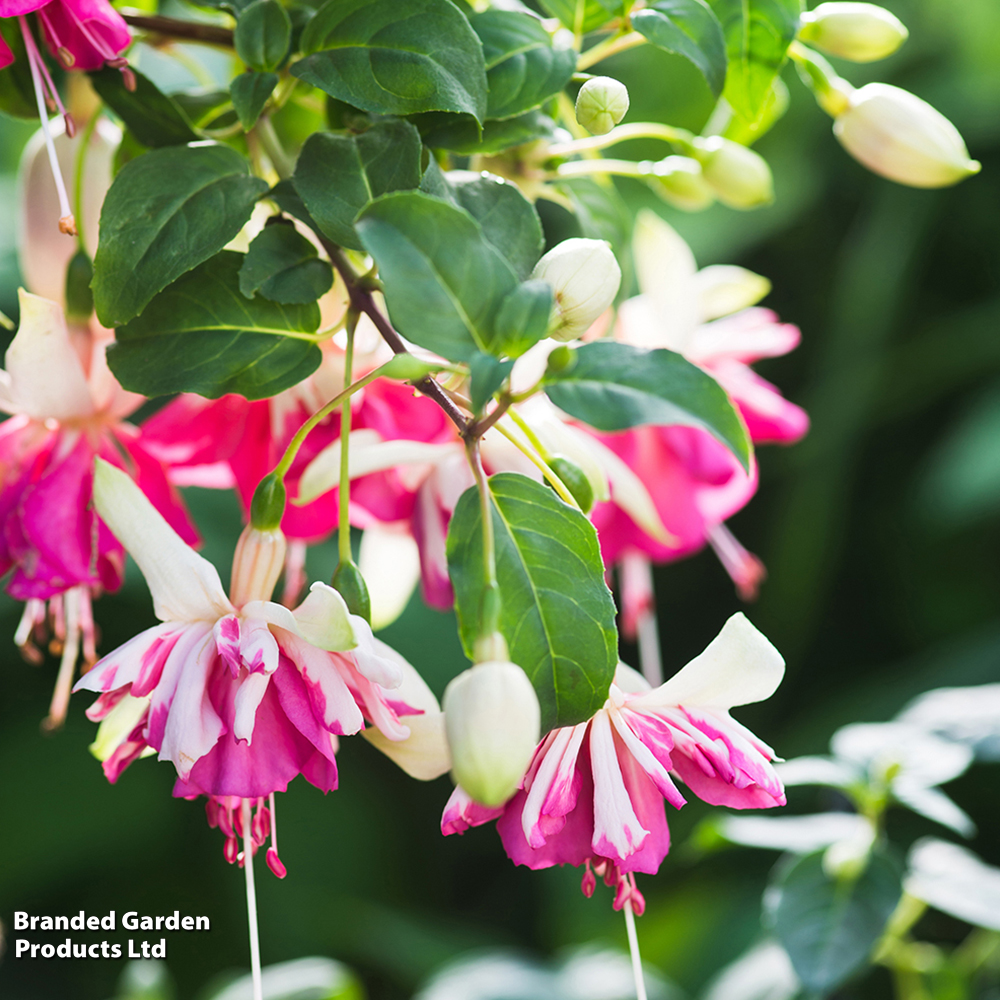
(593, 794)
(241, 695)
(66, 408)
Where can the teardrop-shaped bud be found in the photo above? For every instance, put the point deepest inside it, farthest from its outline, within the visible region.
(350, 584)
(860, 32)
(268, 505)
(739, 177)
(575, 480)
(79, 297)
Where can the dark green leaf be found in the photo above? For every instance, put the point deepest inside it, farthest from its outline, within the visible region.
(234, 7)
(337, 175)
(17, 92)
(444, 281)
(250, 91)
(150, 115)
(166, 212)
(523, 318)
(461, 134)
(262, 34)
(522, 67)
(284, 195)
(206, 109)
(557, 614)
(201, 335)
(614, 386)
(486, 375)
(284, 267)
(395, 57)
(758, 33)
(687, 28)
(582, 16)
(829, 926)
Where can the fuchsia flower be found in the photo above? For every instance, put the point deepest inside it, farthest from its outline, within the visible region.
(593, 794)
(66, 409)
(240, 694)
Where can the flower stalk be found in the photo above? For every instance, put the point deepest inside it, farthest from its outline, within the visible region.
(258, 987)
(633, 947)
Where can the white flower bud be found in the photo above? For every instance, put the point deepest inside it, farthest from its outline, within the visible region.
(585, 277)
(257, 563)
(601, 104)
(861, 32)
(739, 177)
(493, 723)
(680, 181)
(897, 135)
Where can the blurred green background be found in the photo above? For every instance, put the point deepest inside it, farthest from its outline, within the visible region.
(880, 533)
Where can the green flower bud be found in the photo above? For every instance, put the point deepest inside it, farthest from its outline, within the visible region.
(680, 181)
(350, 584)
(574, 480)
(739, 177)
(79, 297)
(897, 135)
(562, 359)
(601, 104)
(268, 505)
(860, 32)
(493, 723)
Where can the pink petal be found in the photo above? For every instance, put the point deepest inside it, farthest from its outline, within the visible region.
(461, 813)
(618, 832)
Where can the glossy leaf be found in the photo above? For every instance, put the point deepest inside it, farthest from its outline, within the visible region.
(166, 212)
(202, 335)
(444, 281)
(395, 57)
(687, 28)
(582, 16)
(150, 115)
(614, 386)
(758, 33)
(486, 375)
(17, 92)
(284, 267)
(557, 614)
(250, 91)
(262, 34)
(829, 927)
(337, 175)
(523, 318)
(522, 67)
(461, 133)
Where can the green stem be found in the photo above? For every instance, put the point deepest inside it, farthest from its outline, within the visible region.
(490, 607)
(635, 130)
(832, 91)
(584, 168)
(81, 159)
(280, 160)
(344, 529)
(619, 42)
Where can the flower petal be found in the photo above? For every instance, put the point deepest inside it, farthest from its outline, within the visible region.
(617, 830)
(184, 586)
(323, 619)
(727, 288)
(390, 563)
(424, 753)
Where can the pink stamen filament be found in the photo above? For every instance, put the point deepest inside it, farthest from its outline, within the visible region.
(67, 667)
(258, 989)
(633, 947)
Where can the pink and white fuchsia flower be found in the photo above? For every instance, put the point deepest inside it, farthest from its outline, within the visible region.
(240, 694)
(66, 408)
(593, 794)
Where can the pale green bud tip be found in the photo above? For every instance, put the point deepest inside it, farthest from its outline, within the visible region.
(601, 104)
(739, 177)
(860, 32)
(493, 723)
(899, 136)
(584, 276)
(268, 504)
(680, 181)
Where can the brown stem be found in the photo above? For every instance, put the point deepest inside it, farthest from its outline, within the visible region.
(362, 300)
(173, 27)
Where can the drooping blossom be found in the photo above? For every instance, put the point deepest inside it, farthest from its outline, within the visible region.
(66, 409)
(593, 795)
(241, 694)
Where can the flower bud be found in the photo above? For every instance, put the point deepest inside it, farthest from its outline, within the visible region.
(861, 32)
(257, 563)
(493, 723)
(268, 505)
(601, 104)
(898, 136)
(78, 296)
(584, 276)
(575, 480)
(739, 177)
(680, 181)
(350, 584)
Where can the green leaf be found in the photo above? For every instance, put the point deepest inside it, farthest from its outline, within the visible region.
(615, 386)
(522, 67)
(582, 16)
(395, 57)
(444, 281)
(829, 926)
(284, 195)
(207, 109)
(250, 91)
(17, 91)
(461, 133)
(603, 215)
(523, 318)
(557, 614)
(758, 33)
(166, 212)
(284, 267)
(486, 375)
(262, 34)
(150, 115)
(687, 28)
(202, 335)
(337, 175)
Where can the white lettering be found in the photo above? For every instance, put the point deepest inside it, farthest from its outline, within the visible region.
(108, 922)
(130, 922)
(132, 953)
(20, 920)
(160, 950)
(21, 947)
(48, 951)
(199, 921)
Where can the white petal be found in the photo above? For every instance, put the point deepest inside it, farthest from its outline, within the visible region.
(248, 698)
(936, 806)
(184, 586)
(372, 657)
(726, 288)
(954, 880)
(390, 563)
(763, 973)
(968, 715)
(817, 771)
(800, 834)
(47, 379)
(117, 725)
(616, 825)
(738, 667)
(323, 619)
(424, 753)
(630, 680)
(412, 689)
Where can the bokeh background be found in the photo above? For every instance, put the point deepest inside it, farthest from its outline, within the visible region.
(880, 533)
